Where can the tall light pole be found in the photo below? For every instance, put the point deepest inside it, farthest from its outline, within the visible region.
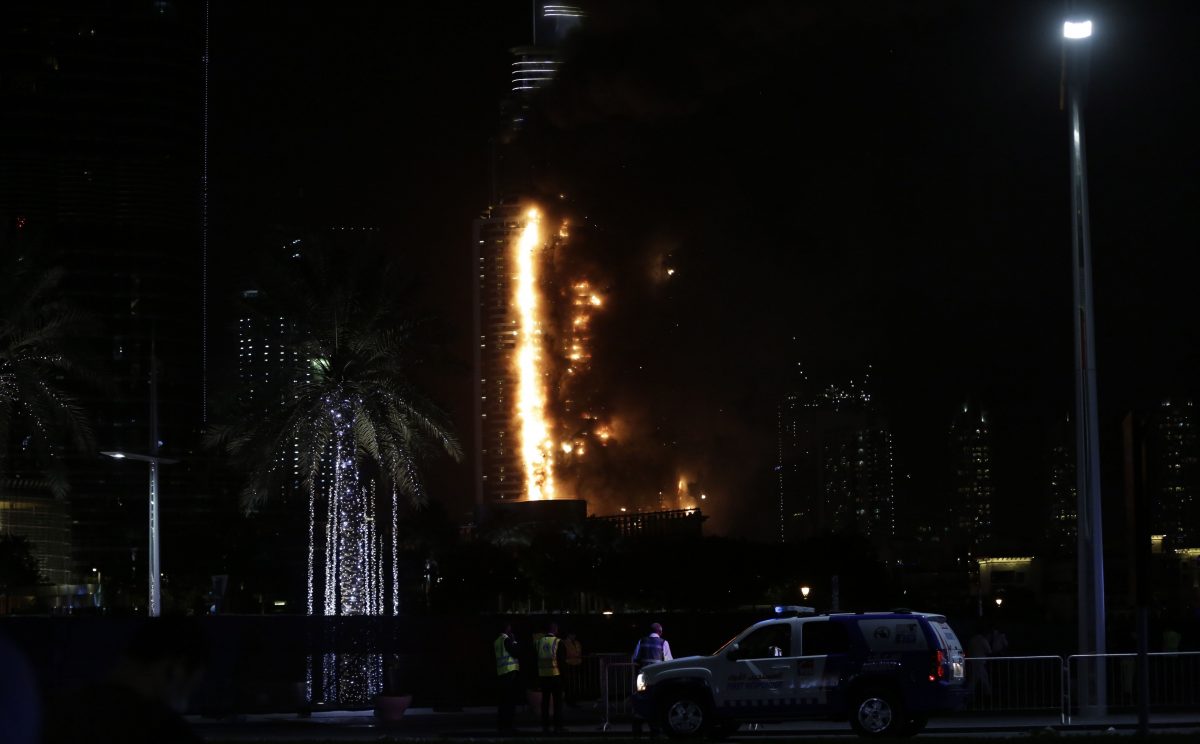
(155, 599)
(1076, 36)
(155, 576)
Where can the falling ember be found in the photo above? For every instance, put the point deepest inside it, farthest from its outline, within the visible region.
(537, 451)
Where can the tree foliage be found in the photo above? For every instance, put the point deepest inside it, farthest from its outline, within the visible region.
(38, 413)
(18, 566)
(347, 356)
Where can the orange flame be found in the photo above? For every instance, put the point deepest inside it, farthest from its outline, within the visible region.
(537, 449)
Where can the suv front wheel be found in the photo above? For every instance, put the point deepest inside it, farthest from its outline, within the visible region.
(684, 715)
(877, 713)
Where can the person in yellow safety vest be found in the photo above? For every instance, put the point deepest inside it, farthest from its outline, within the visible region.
(572, 672)
(551, 654)
(508, 676)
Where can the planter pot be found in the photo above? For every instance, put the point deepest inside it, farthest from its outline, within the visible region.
(391, 707)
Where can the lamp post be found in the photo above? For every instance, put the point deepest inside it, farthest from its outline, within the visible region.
(155, 573)
(1090, 557)
(155, 599)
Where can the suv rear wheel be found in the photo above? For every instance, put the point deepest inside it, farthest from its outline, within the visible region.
(877, 712)
(684, 715)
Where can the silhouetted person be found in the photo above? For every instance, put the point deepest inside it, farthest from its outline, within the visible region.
(508, 678)
(650, 650)
(573, 671)
(551, 656)
(20, 711)
(143, 700)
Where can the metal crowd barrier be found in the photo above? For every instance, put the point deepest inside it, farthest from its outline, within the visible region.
(1015, 684)
(998, 685)
(617, 681)
(581, 682)
(1109, 682)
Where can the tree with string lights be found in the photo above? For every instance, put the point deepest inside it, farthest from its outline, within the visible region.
(341, 424)
(39, 415)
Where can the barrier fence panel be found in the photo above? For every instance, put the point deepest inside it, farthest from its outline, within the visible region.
(618, 680)
(1015, 684)
(582, 682)
(1109, 681)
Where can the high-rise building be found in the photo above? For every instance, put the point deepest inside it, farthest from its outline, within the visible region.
(498, 471)
(836, 467)
(1173, 473)
(100, 157)
(1061, 489)
(973, 492)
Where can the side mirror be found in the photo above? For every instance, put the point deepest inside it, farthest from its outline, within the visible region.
(734, 652)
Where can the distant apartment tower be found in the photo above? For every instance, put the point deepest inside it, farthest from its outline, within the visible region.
(265, 349)
(973, 492)
(836, 468)
(1173, 473)
(1061, 492)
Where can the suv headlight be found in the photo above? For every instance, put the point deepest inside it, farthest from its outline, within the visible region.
(641, 682)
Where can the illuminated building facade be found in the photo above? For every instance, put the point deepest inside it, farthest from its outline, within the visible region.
(973, 492)
(836, 463)
(1173, 473)
(28, 509)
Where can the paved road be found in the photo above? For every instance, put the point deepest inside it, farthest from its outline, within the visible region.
(478, 723)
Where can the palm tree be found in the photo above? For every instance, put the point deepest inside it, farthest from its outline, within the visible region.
(36, 407)
(341, 423)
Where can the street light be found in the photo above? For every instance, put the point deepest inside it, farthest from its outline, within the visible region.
(999, 601)
(804, 590)
(1077, 29)
(1090, 555)
(155, 574)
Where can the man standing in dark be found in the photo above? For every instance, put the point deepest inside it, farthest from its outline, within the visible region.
(508, 677)
(649, 650)
(551, 659)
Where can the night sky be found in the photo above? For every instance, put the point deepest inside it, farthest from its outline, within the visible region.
(835, 186)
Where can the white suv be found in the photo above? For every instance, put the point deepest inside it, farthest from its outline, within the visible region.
(886, 672)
